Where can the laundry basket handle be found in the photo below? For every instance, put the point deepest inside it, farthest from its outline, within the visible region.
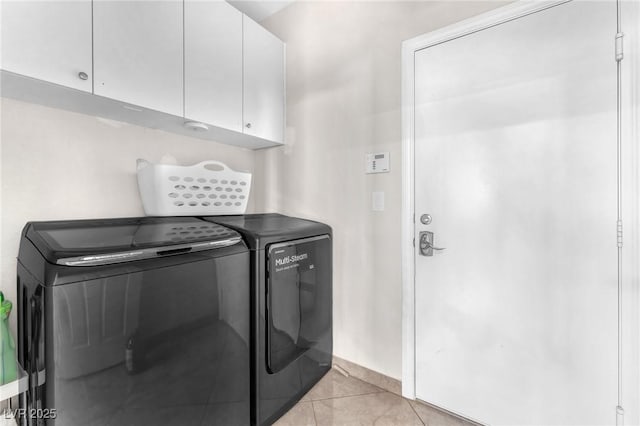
(142, 163)
(203, 164)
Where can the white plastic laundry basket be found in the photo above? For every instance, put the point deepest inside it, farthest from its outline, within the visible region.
(168, 190)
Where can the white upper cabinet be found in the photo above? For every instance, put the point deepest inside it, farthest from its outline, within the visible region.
(213, 63)
(263, 83)
(177, 60)
(138, 53)
(49, 41)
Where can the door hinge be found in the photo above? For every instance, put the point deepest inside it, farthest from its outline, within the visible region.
(619, 233)
(619, 416)
(414, 242)
(619, 47)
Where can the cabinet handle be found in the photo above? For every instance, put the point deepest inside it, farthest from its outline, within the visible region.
(82, 75)
(248, 125)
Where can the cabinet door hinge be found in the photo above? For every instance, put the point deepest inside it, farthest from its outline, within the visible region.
(619, 47)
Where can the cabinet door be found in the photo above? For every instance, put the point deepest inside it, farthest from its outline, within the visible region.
(49, 41)
(263, 83)
(213, 63)
(138, 53)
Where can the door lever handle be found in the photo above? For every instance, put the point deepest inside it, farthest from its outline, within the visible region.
(426, 244)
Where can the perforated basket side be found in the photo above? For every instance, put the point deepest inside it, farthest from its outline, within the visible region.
(195, 190)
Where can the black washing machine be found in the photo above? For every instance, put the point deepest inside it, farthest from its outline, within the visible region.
(291, 275)
(141, 321)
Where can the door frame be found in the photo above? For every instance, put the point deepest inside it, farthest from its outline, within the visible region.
(631, 186)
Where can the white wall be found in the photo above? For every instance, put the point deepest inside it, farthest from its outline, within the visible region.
(343, 68)
(62, 165)
(343, 100)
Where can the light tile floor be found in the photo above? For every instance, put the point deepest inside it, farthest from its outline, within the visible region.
(339, 401)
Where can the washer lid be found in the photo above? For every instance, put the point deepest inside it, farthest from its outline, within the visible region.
(106, 241)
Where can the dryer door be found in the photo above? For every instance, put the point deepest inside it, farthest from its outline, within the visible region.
(298, 298)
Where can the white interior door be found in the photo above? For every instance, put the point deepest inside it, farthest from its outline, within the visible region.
(515, 161)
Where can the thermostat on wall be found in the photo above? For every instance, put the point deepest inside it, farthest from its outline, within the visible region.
(377, 162)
